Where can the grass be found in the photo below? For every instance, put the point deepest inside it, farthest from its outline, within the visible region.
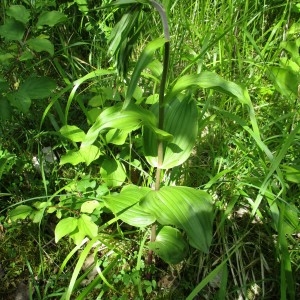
(255, 248)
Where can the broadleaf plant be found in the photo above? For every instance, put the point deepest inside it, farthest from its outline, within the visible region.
(168, 129)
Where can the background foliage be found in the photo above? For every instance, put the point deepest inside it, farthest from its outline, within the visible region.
(77, 170)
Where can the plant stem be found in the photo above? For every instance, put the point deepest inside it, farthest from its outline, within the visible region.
(160, 148)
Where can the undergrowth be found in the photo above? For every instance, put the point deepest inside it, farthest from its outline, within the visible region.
(77, 213)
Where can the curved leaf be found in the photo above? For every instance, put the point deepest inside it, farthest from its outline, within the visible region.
(19, 13)
(73, 133)
(170, 245)
(85, 154)
(12, 30)
(181, 122)
(64, 227)
(186, 208)
(41, 44)
(209, 80)
(145, 58)
(38, 87)
(115, 117)
(112, 172)
(126, 206)
(51, 18)
(20, 212)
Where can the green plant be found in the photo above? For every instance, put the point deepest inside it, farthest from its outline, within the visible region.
(116, 188)
(25, 40)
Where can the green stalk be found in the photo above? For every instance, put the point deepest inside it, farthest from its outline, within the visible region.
(161, 114)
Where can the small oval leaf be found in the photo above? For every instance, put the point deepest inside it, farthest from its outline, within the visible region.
(64, 227)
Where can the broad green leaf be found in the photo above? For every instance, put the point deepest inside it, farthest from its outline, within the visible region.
(87, 227)
(12, 30)
(37, 216)
(51, 18)
(41, 205)
(85, 154)
(41, 44)
(186, 208)
(20, 212)
(125, 205)
(20, 100)
(85, 184)
(64, 227)
(89, 153)
(212, 81)
(89, 206)
(116, 136)
(181, 123)
(286, 81)
(97, 101)
(145, 58)
(72, 157)
(38, 87)
(292, 47)
(73, 133)
(92, 115)
(170, 245)
(156, 68)
(115, 117)
(19, 13)
(112, 172)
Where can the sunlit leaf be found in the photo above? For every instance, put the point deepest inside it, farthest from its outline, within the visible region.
(41, 205)
(20, 212)
(181, 123)
(212, 81)
(286, 81)
(145, 58)
(170, 245)
(64, 227)
(73, 133)
(115, 117)
(112, 172)
(87, 226)
(37, 216)
(89, 206)
(82, 5)
(126, 206)
(72, 157)
(116, 136)
(89, 153)
(186, 208)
